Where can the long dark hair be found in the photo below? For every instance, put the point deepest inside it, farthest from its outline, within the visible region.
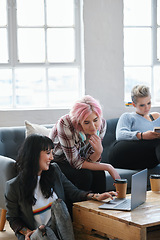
(27, 164)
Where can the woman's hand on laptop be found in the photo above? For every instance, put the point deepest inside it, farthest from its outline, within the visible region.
(104, 196)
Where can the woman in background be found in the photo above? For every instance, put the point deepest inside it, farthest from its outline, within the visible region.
(77, 138)
(137, 145)
(35, 199)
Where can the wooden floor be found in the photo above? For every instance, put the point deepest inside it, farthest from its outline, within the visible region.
(8, 234)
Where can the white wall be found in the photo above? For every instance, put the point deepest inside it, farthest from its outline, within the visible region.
(103, 35)
(103, 53)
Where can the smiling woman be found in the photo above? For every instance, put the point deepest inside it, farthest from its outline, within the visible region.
(77, 137)
(44, 160)
(38, 185)
(36, 197)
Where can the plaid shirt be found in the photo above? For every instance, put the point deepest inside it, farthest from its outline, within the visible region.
(69, 143)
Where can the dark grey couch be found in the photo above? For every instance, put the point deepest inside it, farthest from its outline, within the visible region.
(11, 139)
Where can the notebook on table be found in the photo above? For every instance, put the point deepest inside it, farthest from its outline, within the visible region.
(138, 194)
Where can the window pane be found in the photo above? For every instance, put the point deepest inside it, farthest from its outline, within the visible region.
(135, 76)
(61, 45)
(137, 46)
(156, 84)
(6, 95)
(31, 45)
(64, 86)
(60, 12)
(41, 32)
(30, 12)
(30, 87)
(3, 13)
(158, 44)
(137, 12)
(3, 46)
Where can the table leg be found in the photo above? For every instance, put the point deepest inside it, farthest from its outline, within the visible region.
(3, 219)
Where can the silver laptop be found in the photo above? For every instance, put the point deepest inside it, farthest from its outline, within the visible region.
(138, 194)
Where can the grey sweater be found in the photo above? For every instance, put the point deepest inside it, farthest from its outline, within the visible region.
(130, 124)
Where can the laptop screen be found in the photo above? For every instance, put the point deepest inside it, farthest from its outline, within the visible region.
(138, 188)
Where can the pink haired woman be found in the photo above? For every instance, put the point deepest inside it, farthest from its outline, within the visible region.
(77, 138)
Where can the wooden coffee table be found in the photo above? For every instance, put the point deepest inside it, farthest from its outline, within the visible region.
(139, 224)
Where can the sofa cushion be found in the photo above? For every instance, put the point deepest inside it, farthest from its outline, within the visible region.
(11, 139)
(124, 173)
(109, 137)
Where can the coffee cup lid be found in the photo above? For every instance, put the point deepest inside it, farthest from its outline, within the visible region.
(155, 176)
(124, 180)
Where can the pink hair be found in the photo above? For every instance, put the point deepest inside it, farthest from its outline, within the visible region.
(83, 108)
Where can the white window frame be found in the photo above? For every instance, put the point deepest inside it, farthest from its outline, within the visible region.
(154, 61)
(14, 63)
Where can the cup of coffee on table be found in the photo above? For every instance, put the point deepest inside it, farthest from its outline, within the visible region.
(155, 182)
(121, 187)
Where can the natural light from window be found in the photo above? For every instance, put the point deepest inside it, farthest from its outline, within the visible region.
(40, 54)
(142, 46)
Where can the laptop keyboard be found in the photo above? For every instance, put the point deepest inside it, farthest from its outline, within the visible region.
(125, 205)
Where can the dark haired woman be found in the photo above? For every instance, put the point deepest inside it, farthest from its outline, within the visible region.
(30, 195)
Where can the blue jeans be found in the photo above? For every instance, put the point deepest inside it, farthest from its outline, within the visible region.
(59, 226)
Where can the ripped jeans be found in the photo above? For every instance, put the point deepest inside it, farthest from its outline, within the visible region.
(59, 226)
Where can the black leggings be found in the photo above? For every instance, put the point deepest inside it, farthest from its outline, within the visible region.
(84, 179)
(135, 154)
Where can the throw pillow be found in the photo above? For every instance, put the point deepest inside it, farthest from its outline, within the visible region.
(35, 128)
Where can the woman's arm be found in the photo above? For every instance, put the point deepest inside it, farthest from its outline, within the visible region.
(123, 129)
(13, 207)
(101, 166)
(65, 188)
(72, 192)
(148, 135)
(102, 196)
